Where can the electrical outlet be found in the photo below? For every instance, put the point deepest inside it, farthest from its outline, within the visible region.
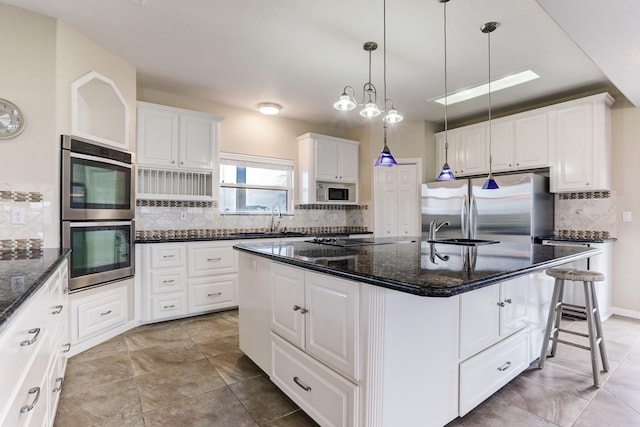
(626, 216)
(17, 283)
(17, 216)
(183, 216)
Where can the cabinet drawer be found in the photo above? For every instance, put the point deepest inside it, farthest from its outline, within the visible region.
(168, 305)
(205, 260)
(168, 280)
(327, 397)
(483, 374)
(100, 312)
(205, 294)
(168, 255)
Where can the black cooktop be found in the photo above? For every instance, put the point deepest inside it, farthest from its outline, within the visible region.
(347, 243)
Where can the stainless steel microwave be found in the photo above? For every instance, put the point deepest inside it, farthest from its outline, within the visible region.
(333, 193)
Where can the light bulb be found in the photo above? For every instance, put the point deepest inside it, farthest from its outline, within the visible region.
(393, 116)
(344, 103)
(370, 110)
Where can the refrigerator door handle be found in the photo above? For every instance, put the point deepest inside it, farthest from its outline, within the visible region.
(464, 213)
(473, 216)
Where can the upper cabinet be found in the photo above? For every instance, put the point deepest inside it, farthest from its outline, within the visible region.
(581, 132)
(174, 138)
(327, 169)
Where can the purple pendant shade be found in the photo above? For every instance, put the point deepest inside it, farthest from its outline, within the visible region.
(385, 159)
(490, 184)
(446, 174)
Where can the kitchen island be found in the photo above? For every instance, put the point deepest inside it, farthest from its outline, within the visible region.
(395, 332)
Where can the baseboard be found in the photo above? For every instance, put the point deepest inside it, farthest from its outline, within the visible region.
(79, 347)
(625, 312)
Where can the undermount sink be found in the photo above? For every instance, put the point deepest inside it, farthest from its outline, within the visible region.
(270, 234)
(463, 242)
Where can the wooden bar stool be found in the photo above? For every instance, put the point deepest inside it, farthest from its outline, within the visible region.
(590, 310)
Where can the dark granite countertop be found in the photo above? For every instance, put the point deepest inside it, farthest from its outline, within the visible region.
(247, 236)
(578, 240)
(28, 276)
(418, 267)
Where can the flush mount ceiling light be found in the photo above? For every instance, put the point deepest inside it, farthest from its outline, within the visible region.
(488, 28)
(348, 101)
(446, 174)
(385, 159)
(269, 108)
(483, 89)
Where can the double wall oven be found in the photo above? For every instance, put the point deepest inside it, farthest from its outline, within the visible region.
(97, 211)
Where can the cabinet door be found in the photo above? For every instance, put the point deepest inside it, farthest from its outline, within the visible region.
(502, 146)
(331, 323)
(472, 149)
(326, 160)
(531, 141)
(157, 142)
(211, 258)
(168, 255)
(513, 305)
(452, 156)
(408, 200)
(348, 162)
(386, 213)
(574, 151)
(479, 320)
(287, 303)
(212, 294)
(197, 141)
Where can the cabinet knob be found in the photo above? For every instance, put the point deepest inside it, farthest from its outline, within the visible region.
(509, 164)
(173, 162)
(508, 300)
(296, 307)
(304, 311)
(500, 304)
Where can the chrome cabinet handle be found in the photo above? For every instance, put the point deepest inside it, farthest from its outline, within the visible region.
(105, 313)
(500, 304)
(27, 408)
(217, 294)
(214, 259)
(168, 281)
(508, 300)
(68, 345)
(296, 307)
(504, 367)
(168, 256)
(35, 331)
(304, 311)
(59, 387)
(58, 311)
(170, 306)
(301, 384)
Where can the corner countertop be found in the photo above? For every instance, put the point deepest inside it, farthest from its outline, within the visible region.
(421, 268)
(28, 276)
(182, 237)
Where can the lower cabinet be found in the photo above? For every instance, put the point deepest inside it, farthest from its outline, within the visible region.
(33, 351)
(326, 396)
(183, 279)
(483, 374)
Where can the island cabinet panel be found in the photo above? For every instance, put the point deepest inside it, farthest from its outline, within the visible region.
(326, 396)
(318, 314)
(492, 313)
(254, 309)
(483, 374)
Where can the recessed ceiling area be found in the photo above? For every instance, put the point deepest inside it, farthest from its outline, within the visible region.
(301, 53)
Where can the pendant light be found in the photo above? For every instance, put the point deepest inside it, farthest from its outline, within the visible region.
(446, 174)
(385, 158)
(488, 28)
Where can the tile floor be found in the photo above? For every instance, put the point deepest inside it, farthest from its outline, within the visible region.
(191, 373)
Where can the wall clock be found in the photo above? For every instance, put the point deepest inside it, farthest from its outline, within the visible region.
(11, 119)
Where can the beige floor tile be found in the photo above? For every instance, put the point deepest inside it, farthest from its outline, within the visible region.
(214, 326)
(607, 410)
(495, 412)
(295, 419)
(218, 408)
(264, 401)
(234, 367)
(217, 346)
(150, 337)
(164, 356)
(82, 376)
(170, 385)
(116, 345)
(625, 384)
(560, 378)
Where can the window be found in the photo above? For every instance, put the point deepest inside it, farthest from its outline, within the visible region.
(250, 184)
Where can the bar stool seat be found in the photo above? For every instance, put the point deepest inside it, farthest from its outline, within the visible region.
(590, 310)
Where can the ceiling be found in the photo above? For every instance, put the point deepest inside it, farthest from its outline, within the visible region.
(301, 53)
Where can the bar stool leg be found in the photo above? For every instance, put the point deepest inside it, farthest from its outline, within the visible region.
(555, 300)
(558, 312)
(600, 335)
(593, 342)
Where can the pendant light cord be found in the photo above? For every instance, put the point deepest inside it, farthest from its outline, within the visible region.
(384, 66)
(446, 91)
(489, 88)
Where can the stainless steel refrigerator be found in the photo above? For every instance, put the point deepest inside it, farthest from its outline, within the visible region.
(520, 210)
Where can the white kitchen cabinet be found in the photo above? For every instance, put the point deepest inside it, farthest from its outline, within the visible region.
(186, 278)
(33, 351)
(97, 313)
(531, 140)
(318, 314)
(175, 138)
(326, 160)
(254, 308)
(473, 149)
(502, 142)
(581, 135)
(451, 156)
(323, 394)
(492, 313)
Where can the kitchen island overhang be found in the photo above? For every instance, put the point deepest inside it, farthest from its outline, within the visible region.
(417, 267)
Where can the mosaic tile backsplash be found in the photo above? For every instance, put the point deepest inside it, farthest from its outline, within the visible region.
(588, 215)
(33, 205)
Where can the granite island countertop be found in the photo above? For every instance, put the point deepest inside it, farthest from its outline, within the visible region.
(21, 278)
(418, 267)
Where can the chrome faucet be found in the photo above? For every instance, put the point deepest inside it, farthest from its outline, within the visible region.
(433, 228)
(274, 225)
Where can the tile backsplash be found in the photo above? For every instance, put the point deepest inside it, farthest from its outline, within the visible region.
(586, 214)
